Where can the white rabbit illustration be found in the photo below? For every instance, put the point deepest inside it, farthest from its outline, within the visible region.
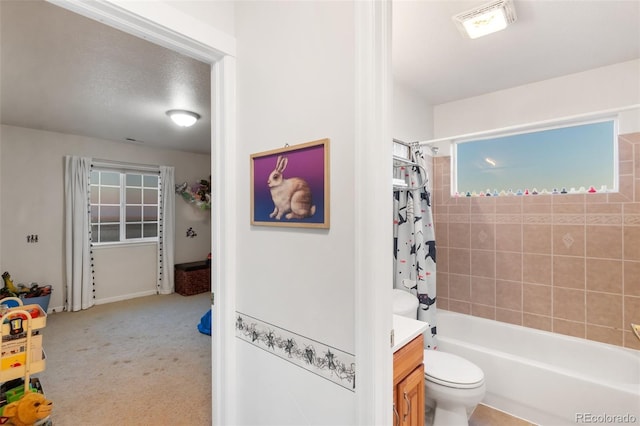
(292, 196)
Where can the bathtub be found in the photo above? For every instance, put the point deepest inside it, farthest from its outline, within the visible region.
(546, 378)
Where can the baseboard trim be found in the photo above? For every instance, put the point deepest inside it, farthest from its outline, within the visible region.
(55, 309)
(122, 297)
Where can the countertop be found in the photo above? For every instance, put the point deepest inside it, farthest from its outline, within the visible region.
(405, 330)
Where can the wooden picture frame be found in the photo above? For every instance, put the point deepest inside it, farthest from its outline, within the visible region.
(290, 186)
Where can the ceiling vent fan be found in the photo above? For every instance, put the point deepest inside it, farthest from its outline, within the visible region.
(486, 19)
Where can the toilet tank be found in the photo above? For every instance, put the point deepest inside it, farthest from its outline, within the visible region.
(405, 304)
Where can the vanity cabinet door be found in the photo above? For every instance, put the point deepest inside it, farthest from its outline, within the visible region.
(408, 384)
(410, 398)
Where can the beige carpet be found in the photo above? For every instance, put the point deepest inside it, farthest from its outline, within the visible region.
(136, 362)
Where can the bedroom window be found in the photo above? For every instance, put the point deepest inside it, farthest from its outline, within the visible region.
(124, 206)
(571, 159)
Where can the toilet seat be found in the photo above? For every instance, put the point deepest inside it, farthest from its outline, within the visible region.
(450, 370)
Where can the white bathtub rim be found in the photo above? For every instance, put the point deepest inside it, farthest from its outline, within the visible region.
(633, 352)
(624, 386)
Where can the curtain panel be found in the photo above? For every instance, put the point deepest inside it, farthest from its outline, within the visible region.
(79, 285)
(166, 234)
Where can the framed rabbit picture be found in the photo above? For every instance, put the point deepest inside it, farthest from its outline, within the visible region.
(290, 186)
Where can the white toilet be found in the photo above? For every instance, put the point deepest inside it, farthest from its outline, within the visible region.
(453, 385)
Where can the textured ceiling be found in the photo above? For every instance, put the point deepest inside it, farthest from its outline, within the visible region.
(67, 73)
(63, 72)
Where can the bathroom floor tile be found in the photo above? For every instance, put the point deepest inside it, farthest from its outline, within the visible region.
(484, 415)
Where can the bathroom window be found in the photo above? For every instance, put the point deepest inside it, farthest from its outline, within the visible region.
(571, 159)
(124, 206)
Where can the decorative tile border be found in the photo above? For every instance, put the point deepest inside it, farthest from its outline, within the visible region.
(318, 358)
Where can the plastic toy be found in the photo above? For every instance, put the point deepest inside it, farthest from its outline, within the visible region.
(28, 410)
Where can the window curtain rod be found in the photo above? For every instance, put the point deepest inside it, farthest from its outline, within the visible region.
(114, 164)
(522, 127)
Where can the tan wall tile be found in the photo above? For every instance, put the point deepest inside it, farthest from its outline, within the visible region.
(569, 272)
(442, 233)
(608, 335)
(605, 208)
(509, 266)
(442, 258)
(569, 304)
(631, 278)
(537, 299)
(509, 237)
(569, 208)
(459, 235)
(631, 242)
(604, 275)
(625, 167)
(604, 241)
(569, 328)
(536, 268)
(509, 295)
(442, 284)
(630, 340)
(479, 218)
(503, 202)
(625, 190)
(597, 198)
(483, 236)
(529, 207)
(460, 287)
(604, 309)
(483, 263)
(483, 291)
(631, 310)
(568, 199)
(569, 240)
(536, 238)
(443, 303)
(539, 199)
(509, 316)
(483, 311)
(486, 205)
(460, 261)
(537, 321)
(461, 307)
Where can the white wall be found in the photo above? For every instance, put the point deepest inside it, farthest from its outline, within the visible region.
(218, 13)
(32, 187)
(296, 84)
(412, 116)
(590, 91)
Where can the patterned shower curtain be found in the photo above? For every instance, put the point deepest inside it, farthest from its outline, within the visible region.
(414, 242)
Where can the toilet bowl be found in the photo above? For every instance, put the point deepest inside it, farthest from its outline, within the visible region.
(453, 385)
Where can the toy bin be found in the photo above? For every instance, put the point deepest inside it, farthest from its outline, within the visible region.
(43, 301)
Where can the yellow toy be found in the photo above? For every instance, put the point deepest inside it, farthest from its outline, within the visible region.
(28, 410)
(8, 283)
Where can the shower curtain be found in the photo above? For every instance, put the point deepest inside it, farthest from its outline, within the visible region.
(414, 241)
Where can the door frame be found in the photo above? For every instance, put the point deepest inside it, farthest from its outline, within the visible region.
(159, 23)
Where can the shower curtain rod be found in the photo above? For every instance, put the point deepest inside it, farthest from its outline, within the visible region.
(537, 124)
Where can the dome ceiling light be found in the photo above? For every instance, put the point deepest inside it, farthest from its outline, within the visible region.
(183, 118)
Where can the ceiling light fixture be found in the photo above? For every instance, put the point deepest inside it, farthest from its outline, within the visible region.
(183, 118)
(486, 19)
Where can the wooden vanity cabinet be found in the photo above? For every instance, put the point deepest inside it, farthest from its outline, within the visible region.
(408, 384)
